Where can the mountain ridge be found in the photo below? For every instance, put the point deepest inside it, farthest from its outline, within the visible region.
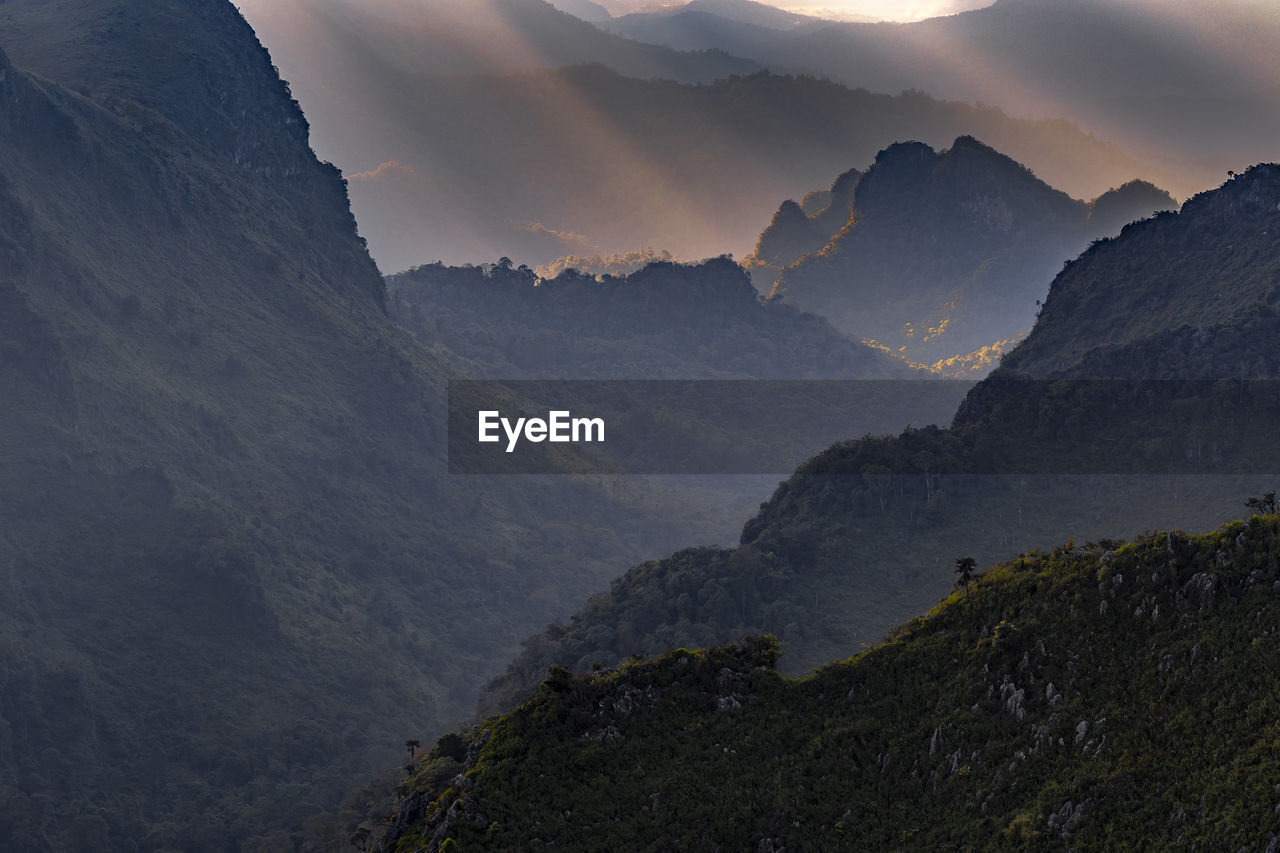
(942, 252)
(868, 528)
(1088, 695)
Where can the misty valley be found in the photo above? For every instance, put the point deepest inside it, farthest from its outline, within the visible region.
(606, 425)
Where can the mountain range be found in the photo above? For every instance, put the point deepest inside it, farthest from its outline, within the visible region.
(241, 581)
(497, 158)
(937, 255)
(1191, 87)
(1115, 426)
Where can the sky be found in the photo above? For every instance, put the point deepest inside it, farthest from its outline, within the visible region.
(882, 10)
(886, 10)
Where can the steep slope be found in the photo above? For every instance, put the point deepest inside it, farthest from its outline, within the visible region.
(1091, 698)
(234, 564)
(944, 253)
(863, 536)
(1224, 269)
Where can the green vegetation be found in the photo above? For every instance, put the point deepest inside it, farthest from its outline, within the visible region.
(1095, 697)
(863, 536)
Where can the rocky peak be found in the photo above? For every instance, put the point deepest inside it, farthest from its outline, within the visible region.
(789, 236)
(1252, 194)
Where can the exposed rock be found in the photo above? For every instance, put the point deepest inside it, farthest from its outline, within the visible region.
(1201, 589)
(1065, 818)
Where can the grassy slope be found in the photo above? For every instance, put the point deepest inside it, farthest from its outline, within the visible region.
(1091, 697)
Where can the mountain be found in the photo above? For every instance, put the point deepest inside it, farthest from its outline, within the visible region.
(938, 254)
(1089, 430)
(1223, 270)
(1091, 697)
(738, 27)
(800, 229)
(588, 161)
(584, 9)
(237, 573)
(353, 42)
(1190, 86)
(666, 321)
(748, 12)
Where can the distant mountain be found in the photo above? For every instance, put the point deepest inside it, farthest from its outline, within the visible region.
(591, 162)
(388, 43)
(939, 254)
(665, 321)
(695, 30)
(749, 12)
(584, 9)
(1096, 696)
(796, 231)
(864, 536)
(739, 27)
(1188, 84)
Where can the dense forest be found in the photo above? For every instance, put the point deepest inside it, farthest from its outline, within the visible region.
(1099, 696)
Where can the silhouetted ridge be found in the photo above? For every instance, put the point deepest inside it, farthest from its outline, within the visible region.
(789, 236)
(1189, 268)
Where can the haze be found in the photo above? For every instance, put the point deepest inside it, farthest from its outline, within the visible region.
(462, 144)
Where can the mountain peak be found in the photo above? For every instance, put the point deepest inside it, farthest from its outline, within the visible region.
(1211, 265)
(1252, 193)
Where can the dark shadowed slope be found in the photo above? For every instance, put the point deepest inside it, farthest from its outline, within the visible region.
(666, 321)
(236, 574)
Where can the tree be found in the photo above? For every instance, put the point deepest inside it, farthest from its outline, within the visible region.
(412, 745)
(1266, 505)
(964, 570)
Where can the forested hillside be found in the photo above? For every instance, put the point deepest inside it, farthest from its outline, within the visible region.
(1098, 696)
(665, 321)
(235, 566)
(864, 535)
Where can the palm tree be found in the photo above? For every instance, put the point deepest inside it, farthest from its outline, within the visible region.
(964, 570)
